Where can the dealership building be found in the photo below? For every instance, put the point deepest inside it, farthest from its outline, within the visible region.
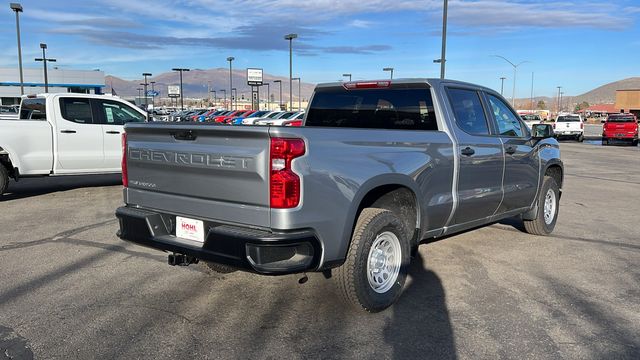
(59, 80)
(628, 101)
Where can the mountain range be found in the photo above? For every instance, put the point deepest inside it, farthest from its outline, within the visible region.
(196, 83)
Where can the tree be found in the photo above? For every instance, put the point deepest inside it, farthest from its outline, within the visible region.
(542, 105)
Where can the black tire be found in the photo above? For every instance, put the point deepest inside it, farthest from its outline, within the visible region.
(634, 142)
(4, 179)
(605, 141)
(220, 268)
(539, 226)
(580, 138)
(351, 277)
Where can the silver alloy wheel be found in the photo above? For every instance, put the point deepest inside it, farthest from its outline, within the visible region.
(549, 206)
(383, 262)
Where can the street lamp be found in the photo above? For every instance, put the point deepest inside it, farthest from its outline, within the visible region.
(349, 75)
(280, 101)
(146, 98)
(443, 58)
(18, 9)
(139, 93)
(181, 70)
(299, 97)
(234, 98)
(44, 62)
(502, 85)
(390, 69)
(268, 95)
(224, 102)
(230, 59)
(215, 99)
(290, 37)
(561, 96)
(559, 87)
(515, 69)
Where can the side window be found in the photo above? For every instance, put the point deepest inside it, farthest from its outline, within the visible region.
(77, 110)
(116, 113)
(508, 123)
(468, 111)
(33, 109)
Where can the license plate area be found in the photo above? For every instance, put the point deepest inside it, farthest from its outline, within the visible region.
(191, 229)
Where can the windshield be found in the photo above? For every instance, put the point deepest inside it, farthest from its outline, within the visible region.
(623, 118)
(274, 115)
(530, 117)
(568, 119)
(257, 114)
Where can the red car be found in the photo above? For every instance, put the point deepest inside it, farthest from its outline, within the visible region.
(620, 127)
(220, 119)
(229, 119)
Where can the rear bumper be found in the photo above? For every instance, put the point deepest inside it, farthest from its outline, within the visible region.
(619, 135)
(264, 252)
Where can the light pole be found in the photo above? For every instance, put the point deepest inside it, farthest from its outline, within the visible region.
(502, 85)
(153, 97)
(280, 101)
(18, 9)
(215, 99)
(234, 99)
(146, 97)
(224, 102)
(443, 56)
(531, 91)
(349, 75)
(181, 70)
(230, 60)
(515, 69)
(390, 69)
(299, 97)
(139, 92)
(290, 37)
(559, 87)
(561, 96)
(268, 95)
(44, 62)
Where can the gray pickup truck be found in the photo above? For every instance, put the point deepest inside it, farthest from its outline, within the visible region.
(376, 168)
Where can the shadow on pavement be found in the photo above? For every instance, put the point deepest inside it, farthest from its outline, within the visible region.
(29, 187)
(420, 327)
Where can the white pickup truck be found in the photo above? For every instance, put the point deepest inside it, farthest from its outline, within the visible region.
(64, 134)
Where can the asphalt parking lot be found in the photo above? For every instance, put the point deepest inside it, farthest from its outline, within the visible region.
(71, 289)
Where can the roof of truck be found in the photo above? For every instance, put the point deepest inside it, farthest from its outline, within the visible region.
(433, 82)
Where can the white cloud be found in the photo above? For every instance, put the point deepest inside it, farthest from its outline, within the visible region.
(363, 24)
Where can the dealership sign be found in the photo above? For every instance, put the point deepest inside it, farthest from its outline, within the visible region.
(173, 90)
(254, 77)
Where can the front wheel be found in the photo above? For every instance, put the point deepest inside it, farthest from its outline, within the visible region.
(548, 207)
(373, 274)
(4, 179)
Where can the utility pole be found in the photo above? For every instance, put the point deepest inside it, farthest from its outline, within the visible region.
(44, 61)
(559, 87)
(299, 97)
(290, 37)
(532, 91)
(146, 97)
(181, 70)
(230, 60)
(280, 101)
(443, 58)
(502, 85)
(18, 9)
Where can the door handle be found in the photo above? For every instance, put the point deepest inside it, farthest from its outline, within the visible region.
(467, 151)
(113, 132)
(68, 131)
(510, 150)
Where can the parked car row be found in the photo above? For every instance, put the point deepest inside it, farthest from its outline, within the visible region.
(240, 117)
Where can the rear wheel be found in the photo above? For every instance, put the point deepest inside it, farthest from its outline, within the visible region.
(634, 142)
(548, 207)
(4, 179)
(605, 141)
(373, 274)
(580, 138)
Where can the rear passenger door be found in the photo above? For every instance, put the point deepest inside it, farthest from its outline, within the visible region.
(78, 137)
(521, 160)
(113, 115)
(481, 158)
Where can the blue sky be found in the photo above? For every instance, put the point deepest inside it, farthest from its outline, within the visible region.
(576, 44)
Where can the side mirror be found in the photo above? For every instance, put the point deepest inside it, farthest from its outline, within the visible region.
(542, 131)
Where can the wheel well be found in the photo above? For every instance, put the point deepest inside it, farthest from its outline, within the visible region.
(398, 199)
(555, 172)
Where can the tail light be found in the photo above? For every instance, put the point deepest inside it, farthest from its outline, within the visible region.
(125, 175)
(367, 85)
(581, 125)
(284, 183)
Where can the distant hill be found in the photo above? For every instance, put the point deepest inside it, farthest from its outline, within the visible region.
(195, 84)
(605, 94)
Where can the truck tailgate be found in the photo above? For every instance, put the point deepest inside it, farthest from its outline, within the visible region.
(220, 173)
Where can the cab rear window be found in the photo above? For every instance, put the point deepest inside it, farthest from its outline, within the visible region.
(402, 109)
(33, 109)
